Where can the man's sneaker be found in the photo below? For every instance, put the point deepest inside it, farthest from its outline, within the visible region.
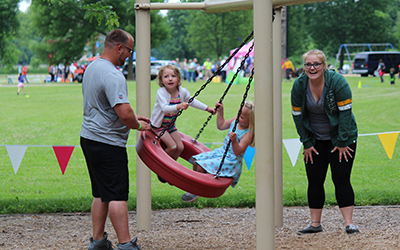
(129, 245)
(352, 229)
(188, 197)
(310, 230)
(102, 244)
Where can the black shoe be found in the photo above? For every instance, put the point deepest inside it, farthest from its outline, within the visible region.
(103, 244)
(310, 230)
(161, 179)
(352, 229)
(130, 245)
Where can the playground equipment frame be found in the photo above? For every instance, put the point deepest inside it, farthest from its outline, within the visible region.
(267, 93)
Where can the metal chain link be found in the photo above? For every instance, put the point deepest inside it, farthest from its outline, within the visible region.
(236, 122)
(157, 138)
(226, 90)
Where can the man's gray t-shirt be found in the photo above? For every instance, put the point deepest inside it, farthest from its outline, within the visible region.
(103, 87)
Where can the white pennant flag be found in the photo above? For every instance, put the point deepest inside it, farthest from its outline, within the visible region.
(16, 153)
(293, 148)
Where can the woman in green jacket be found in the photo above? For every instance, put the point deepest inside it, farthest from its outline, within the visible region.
(322, 112)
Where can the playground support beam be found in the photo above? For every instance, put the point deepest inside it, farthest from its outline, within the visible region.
(263, 98)
(218, 6)
(277, 93)
(143, 107)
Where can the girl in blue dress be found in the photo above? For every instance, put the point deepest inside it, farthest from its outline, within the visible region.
(208, 162)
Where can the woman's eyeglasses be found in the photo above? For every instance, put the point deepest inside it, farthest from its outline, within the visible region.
(315, 65)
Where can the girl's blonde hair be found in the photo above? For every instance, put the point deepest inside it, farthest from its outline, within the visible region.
(176, 72)
(321, 56)
(252, 124)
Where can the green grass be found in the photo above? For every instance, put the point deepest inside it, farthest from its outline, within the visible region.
(52, 115)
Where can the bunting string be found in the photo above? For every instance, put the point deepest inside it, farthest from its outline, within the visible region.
(63, 153)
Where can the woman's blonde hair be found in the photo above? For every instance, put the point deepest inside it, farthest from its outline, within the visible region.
(176, 72)
(321, 56)
(252, 124)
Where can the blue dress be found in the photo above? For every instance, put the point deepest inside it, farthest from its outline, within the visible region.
(232, 166)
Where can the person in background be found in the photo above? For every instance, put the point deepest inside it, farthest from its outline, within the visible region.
(224, 69)
(207, 69)
(322, 112)
(184, 67)
(381, 69)
(21, 83)
(193, 70)
(24, 72)
(392, 76)
(107, 120)
(289, 68)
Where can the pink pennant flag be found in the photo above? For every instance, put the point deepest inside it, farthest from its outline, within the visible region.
(63, 154)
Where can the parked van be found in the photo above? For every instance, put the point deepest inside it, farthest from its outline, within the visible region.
(365, 63)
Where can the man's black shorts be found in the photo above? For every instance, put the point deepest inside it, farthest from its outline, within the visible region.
(108, 170)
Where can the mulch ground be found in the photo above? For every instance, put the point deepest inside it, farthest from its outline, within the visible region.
(211, 228)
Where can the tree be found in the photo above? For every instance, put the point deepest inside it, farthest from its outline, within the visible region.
(67, 26)
(342, 21)
(297, 31)
(8, 27)
(214, 35)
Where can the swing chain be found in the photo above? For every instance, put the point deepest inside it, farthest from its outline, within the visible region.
(235, 125)
(227, 89)
(157, 138)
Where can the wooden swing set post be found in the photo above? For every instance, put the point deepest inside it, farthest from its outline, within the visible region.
(264, 98)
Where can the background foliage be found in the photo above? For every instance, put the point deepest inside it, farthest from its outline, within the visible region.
(67, 29)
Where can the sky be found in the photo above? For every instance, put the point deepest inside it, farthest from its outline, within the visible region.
(24, 4)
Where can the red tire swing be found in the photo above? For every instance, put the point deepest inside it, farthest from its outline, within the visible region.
(155, 158)
(151, 152)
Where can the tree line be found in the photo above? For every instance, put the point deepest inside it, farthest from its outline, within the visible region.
(61, 31)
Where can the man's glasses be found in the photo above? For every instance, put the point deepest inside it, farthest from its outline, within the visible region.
(130, 50)
(315, 65)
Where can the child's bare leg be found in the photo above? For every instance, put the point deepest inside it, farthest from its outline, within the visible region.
(179, 145)
(198, 168)
(169, 143)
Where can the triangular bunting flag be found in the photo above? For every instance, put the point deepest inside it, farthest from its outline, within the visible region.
(293, 148)
(389, 141)
(16, 153)
(63, 153)
(249, 156)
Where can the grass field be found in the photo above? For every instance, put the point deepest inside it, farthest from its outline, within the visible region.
(52, 115)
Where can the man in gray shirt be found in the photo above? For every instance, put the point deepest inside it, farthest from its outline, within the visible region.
(107, 120)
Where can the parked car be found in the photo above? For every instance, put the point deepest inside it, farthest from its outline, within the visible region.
(156, 65)
(154, 68)
(125, 70)
(365, 63)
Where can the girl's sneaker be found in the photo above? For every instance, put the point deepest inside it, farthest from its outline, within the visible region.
(310, 230)
(352, 229)
(188, 197)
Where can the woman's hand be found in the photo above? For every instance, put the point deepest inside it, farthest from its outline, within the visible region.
(343, 152)
(308, 154)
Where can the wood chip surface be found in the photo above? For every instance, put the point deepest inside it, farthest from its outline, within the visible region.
(211, 228)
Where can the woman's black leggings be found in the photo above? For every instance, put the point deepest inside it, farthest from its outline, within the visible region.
(341, 171)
